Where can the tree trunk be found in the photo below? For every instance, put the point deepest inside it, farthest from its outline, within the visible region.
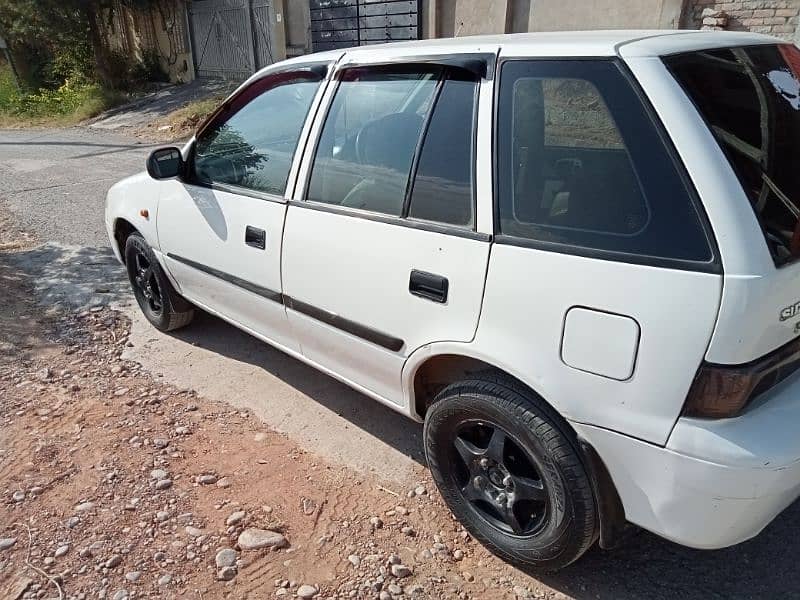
(101, 62)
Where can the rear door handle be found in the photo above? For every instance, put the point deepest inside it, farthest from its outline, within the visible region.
(257, 238)
(429, 286)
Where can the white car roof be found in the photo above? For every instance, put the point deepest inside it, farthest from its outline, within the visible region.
(624, 43)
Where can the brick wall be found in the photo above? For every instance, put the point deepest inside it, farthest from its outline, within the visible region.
(774, 17)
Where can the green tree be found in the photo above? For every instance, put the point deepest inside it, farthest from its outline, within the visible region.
(48, 38)
(58, 39)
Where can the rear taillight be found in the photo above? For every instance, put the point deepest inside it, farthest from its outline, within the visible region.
(722, 391)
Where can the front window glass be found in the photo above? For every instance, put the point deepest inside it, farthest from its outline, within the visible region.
(750, 98)
(253, 147)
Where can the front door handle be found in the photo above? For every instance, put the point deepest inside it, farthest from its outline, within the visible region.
(257, 238)
(429, 286)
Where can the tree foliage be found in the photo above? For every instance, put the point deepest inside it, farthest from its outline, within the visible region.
(59, 40)
(49, 39)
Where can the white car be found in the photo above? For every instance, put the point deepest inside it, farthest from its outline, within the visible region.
(573, 255)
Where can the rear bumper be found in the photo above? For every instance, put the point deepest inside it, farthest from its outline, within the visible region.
(717, 482)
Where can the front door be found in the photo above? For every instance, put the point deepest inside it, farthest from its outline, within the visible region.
(220, 227)
(382, 255)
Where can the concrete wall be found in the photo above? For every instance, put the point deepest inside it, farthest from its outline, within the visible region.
(452, 18)
(465, 17)
(297, 25)
(172, 42)
(446, 18)
(554, 15)
(161, 28)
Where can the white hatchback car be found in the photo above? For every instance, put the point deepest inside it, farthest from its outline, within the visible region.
(573, 255)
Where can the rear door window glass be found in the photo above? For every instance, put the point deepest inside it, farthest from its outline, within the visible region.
(442, 191)
(750, 98)
(582, 167)
(367, 146)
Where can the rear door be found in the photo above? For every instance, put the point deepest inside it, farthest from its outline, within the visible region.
(381, 252)
(220, 226)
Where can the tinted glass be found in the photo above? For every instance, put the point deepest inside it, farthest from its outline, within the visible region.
(442, 189)
(253, 147)
(368, 142)
(582, 166)
(750, 98)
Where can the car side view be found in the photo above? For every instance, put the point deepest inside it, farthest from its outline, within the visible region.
(572, 255)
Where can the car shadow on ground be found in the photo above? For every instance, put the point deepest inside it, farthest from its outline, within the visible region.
(79, 278)
(646, 566)
(71, 277)
(215, 335)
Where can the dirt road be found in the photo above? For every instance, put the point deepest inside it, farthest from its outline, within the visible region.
(98, 408)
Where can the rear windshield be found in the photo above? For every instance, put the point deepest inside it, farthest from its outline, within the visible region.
(750, 98)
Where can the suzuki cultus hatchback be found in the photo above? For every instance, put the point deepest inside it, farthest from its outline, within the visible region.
(573, 255)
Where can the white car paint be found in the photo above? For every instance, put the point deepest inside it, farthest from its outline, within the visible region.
(754, 292)
(126, 200)
(675, 310)
(717, 482)
(702, 483)
(212, 233)
(368, 282)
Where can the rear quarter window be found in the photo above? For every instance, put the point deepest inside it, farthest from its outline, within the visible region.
(583, 169)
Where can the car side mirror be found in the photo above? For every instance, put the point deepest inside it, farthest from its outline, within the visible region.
(165, 163)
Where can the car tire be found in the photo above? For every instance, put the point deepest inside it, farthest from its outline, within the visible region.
(161, 304)
(509, 469)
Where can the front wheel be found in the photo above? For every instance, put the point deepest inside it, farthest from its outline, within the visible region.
(510, 472)
(161, 304)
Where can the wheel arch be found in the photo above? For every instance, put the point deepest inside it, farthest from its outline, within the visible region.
(432, 367)
(434, 370)
(122, 231)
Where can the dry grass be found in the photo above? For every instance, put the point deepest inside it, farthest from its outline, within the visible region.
(180, 123)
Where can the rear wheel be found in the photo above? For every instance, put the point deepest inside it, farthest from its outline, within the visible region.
(509, 470)
(161, 304)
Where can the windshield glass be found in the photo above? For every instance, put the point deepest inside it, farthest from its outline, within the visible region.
(750, 98)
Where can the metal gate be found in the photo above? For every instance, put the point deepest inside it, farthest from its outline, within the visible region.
(230, 38)
(344, 23)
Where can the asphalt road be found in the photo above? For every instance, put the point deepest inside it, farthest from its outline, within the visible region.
(55, 182)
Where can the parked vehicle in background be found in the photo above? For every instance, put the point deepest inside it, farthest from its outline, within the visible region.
(573, 255)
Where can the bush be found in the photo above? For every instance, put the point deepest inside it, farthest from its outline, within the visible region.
(74, 100)
(8, 89)
(74, 62)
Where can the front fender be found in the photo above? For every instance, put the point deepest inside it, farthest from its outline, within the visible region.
(135, 200)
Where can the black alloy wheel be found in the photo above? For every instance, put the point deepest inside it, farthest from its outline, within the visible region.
(145, 284)
(160, 303)
(508, 467)
(499, 479)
